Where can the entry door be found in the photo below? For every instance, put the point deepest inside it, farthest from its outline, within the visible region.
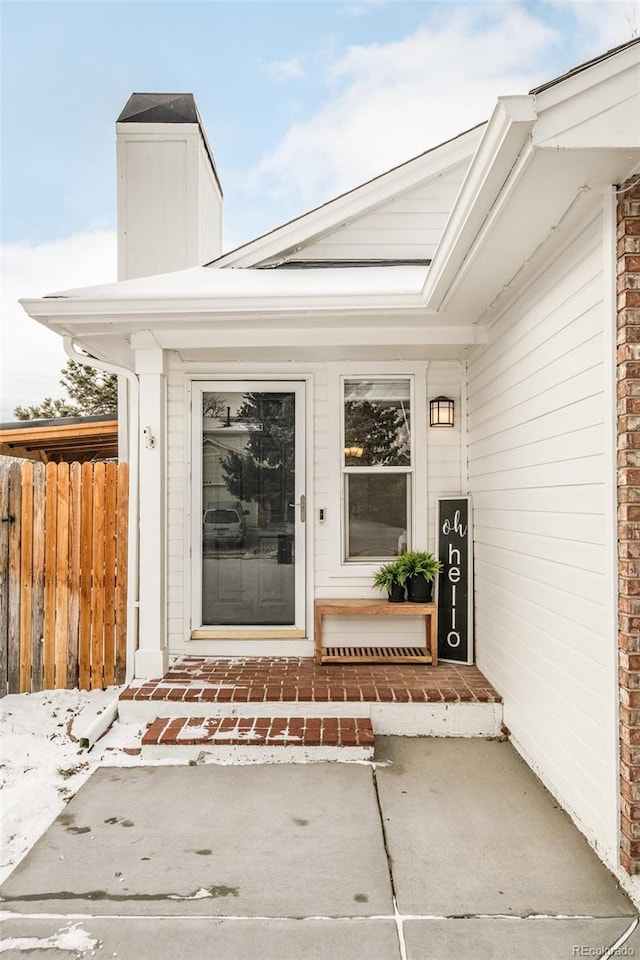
(249, 505)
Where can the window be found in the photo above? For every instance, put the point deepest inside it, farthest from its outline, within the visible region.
(377, 467)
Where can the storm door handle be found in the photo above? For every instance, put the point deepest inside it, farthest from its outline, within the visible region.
(303, 507)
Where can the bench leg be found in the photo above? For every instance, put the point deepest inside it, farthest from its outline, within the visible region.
(318, 635)
(433, 637)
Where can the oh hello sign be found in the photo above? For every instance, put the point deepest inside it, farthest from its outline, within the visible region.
(455, 628)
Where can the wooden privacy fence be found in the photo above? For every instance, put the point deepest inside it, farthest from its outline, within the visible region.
(63, 575)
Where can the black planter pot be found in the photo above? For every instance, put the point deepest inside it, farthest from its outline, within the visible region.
(396, 593)
(419, 590)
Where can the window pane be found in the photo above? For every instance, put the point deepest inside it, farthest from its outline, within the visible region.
(376, 514)
(377, 423)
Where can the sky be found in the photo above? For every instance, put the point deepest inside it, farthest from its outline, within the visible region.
(300, 100)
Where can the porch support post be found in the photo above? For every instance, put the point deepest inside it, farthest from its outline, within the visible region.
(151, 659)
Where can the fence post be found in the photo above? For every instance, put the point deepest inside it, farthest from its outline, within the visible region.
(26, 577)
(97, 592)
(4, 577)
(62, 576)
(75, 567)
(51, 535)
(37, 586)
(121, 571)
(15, 529)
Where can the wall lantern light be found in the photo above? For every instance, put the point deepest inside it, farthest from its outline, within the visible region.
(441, 412)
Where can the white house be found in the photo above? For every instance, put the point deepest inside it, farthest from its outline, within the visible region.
(493, 270)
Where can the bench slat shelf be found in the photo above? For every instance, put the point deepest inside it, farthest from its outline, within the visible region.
(378, 653)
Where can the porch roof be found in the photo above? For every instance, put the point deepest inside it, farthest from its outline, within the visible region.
(209, 283)
(338, 312)
(69, 438)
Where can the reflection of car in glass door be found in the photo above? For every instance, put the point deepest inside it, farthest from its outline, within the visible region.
(224, 525)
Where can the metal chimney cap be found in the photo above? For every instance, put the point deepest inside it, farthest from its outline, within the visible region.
(160, 108)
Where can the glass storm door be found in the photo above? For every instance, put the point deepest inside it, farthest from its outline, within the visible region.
(250, 506)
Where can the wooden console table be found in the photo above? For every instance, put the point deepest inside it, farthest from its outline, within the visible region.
(380, 653)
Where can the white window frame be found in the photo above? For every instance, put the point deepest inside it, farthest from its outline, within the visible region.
(346, 471)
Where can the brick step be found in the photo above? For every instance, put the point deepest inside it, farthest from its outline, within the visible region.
(412, 718)
(260, 739)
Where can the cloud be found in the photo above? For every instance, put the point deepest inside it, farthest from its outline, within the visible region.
(32, 356)
(388, 102)
(285, 69)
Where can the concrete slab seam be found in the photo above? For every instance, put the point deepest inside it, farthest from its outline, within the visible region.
(6, 915)
(396, 913)
(615, 947)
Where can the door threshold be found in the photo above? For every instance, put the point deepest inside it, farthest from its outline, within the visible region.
(233, 633)
(248, 648)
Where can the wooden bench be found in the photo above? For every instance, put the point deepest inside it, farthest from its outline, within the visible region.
(380, 653)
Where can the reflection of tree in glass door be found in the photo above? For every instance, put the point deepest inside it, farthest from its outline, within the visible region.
(265, 471)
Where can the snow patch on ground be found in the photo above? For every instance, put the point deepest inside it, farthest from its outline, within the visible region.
(203, 731)
(200, 894)
(69, 938)
(42, 764)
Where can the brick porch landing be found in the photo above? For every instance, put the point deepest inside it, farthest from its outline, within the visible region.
(300, 679)
(400, 699)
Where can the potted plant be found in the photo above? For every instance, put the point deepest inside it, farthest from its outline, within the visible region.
(390, 577)
(419, 570)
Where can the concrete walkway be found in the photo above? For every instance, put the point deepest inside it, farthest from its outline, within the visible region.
(445, 849)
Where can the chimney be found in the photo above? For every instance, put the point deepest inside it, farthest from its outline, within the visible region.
(169, 195)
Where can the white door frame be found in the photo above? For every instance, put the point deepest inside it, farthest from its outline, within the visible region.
(256, 385)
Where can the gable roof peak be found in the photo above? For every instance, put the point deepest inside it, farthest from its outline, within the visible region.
(288, 235)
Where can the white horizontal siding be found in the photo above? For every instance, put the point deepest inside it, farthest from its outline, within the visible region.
(407, 227)
(444, 444)
(539, 469)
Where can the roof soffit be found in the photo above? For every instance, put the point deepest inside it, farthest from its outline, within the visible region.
(582, 139)
(504, 138)
(535, 217)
